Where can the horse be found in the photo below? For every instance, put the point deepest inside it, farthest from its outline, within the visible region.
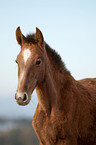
(66, 110)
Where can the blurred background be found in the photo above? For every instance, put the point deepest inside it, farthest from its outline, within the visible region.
(69, 27)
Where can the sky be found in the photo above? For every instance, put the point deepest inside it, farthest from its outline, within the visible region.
(68, 26)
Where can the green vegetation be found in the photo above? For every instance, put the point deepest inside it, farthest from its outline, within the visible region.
(21, 134)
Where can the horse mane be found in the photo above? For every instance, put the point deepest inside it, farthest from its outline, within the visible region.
(31, 38)
(54, 55)
(57, 58)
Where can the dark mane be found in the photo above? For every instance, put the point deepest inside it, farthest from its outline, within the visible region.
(31, 38)
(55, 56)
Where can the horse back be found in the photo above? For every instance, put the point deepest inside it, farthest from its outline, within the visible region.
(89, 83)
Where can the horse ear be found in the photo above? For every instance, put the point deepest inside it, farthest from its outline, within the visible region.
(39, 37)
(20, 37)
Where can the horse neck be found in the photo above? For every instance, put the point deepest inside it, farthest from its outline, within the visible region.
(48, 91)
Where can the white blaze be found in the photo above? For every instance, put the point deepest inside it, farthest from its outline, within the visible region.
(26, 55)
(21, 76)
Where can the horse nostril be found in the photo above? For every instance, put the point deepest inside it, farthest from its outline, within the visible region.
(25, 97)
(21, 97)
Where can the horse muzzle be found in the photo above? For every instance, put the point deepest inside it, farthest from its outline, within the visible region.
(22, 98)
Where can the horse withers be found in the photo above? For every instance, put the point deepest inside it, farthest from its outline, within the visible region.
(66, 110)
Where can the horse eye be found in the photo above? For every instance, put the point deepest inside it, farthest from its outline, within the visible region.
(16, 61)
(38, 62)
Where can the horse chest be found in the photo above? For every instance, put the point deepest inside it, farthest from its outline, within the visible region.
(47, 128)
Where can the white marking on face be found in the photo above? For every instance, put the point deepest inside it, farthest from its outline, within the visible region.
(20, 79)
(26, 55)
(21, 76)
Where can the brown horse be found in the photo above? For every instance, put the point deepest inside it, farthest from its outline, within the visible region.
(66, 111)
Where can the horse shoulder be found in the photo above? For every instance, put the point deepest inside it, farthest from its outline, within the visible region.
(87, 101)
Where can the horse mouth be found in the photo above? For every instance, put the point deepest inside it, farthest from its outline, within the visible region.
(22, 98)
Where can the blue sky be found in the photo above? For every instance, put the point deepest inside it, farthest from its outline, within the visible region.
(68, 26)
